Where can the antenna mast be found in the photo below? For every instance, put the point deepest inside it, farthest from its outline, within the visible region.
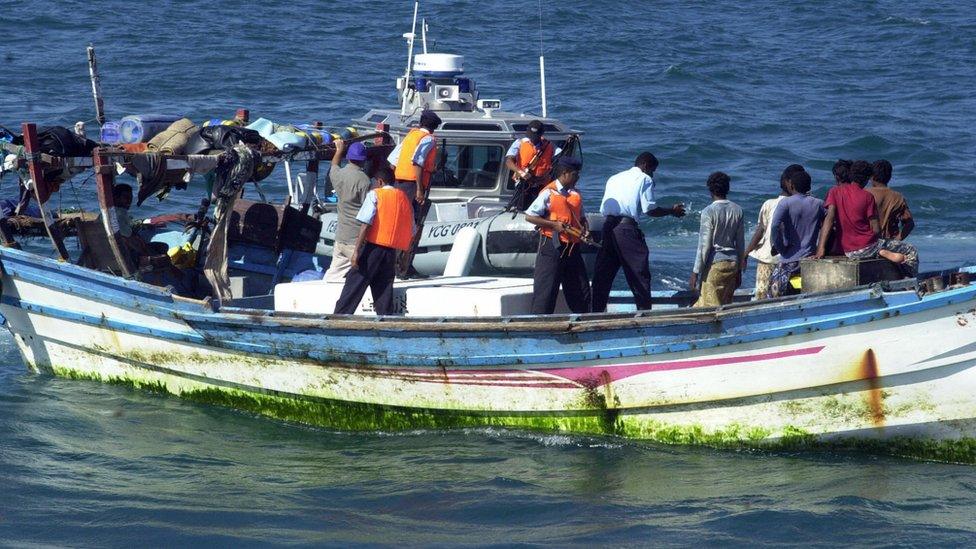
(423, 33)
(406, 76)
(542, 67)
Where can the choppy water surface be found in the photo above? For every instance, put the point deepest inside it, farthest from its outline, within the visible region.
(746, 89)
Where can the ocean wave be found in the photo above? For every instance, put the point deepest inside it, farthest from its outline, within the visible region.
(913, 21)
(679, 72)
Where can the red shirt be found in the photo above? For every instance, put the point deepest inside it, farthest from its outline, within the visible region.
(854, 207)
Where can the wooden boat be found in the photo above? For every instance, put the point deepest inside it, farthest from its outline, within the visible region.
(883, 369)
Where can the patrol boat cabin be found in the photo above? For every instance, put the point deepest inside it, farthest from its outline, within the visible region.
(471, 185)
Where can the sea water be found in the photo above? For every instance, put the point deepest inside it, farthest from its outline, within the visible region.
(743, 88)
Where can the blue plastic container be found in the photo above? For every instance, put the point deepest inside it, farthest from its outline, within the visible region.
(140, 128)
(111, 132)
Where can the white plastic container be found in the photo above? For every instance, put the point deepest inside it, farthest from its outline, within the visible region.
(438, 64)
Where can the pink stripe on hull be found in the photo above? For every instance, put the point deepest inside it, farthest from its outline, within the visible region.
(573, 378)
(601, 375)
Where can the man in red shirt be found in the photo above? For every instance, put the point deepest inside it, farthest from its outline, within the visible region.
(857, 225)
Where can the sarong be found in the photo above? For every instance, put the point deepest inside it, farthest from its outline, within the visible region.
(718, 287)
(909, 268)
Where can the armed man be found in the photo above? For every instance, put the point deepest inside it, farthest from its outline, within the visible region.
(558, 212)
(414, 158)
(530, 161)
(414, 161)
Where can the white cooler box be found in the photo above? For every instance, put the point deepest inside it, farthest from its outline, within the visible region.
(446, 296)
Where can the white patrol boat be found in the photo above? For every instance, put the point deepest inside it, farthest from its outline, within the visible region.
(471, 186)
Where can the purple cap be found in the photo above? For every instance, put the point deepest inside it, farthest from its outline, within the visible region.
(357, 152)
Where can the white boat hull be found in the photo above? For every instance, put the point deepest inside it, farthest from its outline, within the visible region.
(902, 383)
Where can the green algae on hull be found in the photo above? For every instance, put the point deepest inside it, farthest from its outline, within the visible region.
(357, 416)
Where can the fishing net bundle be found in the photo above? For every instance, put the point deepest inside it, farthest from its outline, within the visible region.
(230, 179)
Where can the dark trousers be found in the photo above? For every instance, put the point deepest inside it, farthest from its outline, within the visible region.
(623, 246)
(409, 188)
(377, 266)
(404, 259)
(555, 267)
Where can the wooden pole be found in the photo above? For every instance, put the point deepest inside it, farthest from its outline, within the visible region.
(96, 86)
(42, 190)
(104, 182)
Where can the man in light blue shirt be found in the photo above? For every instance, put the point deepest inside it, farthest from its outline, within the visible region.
(412, 160)
(628, 195)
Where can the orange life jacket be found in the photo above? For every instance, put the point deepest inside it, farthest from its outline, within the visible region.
(565, 209)
(527, 152)
(405, 167)
(392, 225)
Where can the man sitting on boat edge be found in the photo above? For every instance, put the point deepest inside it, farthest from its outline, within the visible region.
(858, 230)
(893, 213)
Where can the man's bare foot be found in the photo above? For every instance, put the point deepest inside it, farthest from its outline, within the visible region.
(892, 256)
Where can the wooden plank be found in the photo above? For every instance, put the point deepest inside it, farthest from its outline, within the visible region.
(42, 189)
(104, 181)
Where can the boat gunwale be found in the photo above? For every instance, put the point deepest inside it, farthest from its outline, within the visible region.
(550, 323)
(191, 310)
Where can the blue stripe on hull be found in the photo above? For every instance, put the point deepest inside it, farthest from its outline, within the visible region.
(516, 343)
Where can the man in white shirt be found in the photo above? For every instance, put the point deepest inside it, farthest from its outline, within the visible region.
(628, 195)
(761, 246)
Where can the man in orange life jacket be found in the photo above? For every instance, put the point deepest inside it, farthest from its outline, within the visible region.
(520, 155)
(387, 218)
(413, 158)
(559, 261)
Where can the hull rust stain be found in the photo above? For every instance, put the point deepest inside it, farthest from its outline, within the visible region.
(875, 398)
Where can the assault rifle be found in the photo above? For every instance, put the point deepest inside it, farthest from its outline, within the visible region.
(522, 183)
(582, 236)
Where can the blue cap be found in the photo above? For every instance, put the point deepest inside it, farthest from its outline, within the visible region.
(357, 152)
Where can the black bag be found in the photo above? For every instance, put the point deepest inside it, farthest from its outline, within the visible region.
(60, 141)
(221, 138)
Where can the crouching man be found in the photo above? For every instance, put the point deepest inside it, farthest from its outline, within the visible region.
(387, 218)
